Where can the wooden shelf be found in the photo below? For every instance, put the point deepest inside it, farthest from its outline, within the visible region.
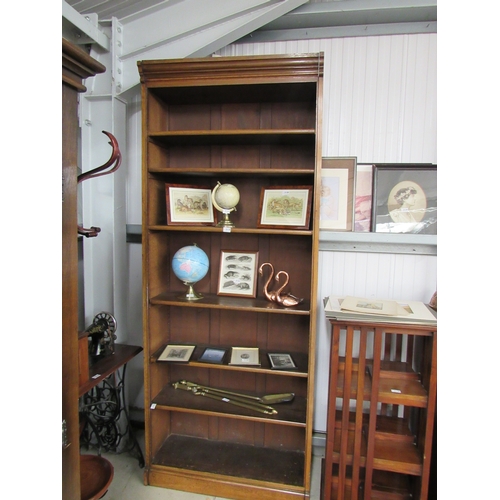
(398, 384)
(293, 413)
(234, 230)
(300, 359)
(193, 138)
(395, 450)
(386, 486)
(262, 465)
(233, 172)
(212, 301)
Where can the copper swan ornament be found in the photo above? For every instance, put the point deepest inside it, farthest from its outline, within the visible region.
(270, 295)
(285, 299)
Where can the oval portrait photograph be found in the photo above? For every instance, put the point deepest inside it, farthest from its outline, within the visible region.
(407, 202)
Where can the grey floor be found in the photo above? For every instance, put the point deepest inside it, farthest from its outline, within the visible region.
(128, 482)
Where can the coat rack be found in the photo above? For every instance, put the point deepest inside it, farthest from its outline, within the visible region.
(116, 159)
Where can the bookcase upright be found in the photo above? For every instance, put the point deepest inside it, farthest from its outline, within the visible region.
(252, 122)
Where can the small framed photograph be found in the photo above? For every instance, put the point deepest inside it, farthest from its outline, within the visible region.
(281, 361)
(214, 355)
(338, 177)
(238, 273)
(363, 198)
(285, 207)
(404, 198)
(189, 205)
(177, 353)
(245, 356)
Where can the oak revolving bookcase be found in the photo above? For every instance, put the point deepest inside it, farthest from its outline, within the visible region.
(381, 411)
(253, 122)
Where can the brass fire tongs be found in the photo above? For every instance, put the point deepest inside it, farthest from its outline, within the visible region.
(235, 398)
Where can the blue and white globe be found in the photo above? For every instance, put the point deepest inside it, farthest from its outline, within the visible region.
(190, 264)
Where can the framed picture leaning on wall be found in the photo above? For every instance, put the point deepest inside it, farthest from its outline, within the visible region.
(404, 198)
(338, 176)
(363, 198)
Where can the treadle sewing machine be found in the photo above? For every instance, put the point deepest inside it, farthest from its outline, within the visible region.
(101, 336)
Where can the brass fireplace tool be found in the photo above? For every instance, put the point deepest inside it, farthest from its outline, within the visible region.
(256, 403)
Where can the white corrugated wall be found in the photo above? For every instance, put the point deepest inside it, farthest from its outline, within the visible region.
(380, 106)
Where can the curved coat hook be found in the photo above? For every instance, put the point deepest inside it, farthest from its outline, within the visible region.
(116, 158)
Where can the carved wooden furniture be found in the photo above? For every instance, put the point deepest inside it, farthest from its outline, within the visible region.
(380, 412)
(252, 122)
(76, 66)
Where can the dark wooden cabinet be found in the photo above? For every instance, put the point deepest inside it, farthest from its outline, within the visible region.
(76, 66)
(381, 411)
(252, 122)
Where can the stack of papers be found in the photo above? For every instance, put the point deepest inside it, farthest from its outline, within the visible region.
(375, 310)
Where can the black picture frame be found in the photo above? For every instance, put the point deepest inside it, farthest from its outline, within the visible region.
(214, 355)
(281, 361)
(177, 353)
(404, 198)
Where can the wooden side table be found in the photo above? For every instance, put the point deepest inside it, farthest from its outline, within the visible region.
(104, 415)
(382, 402)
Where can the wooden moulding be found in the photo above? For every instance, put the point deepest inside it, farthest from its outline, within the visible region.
(83, 358)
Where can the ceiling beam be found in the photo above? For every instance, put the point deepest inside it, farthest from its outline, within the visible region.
(185, 30)
(350, 18)
(80, 29)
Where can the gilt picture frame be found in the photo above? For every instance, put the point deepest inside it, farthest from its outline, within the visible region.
(238, 273)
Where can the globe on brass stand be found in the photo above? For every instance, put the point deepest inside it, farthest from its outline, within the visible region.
(225, 197)
(190, 264)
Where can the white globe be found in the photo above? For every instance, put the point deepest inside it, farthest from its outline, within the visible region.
(227, 196)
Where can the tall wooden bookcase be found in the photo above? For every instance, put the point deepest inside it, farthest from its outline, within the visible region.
(381, 409)
(252, 122)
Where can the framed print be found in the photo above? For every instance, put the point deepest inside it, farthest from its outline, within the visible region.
(281, 361)
(337, 193)
(245, 356)
(285, 207)
(238, 273)
(177, 353)
(213, 355)
(363, 198)
(189, 205)
(404, 199)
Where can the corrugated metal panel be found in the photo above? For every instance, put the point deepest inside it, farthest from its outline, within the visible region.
(379, 94)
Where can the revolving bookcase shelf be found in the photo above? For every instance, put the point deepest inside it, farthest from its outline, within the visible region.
(253, 122)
